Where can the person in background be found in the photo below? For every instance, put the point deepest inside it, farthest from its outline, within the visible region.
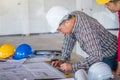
(111, 19)
(92, 37)
(118, 68)
(108, 17)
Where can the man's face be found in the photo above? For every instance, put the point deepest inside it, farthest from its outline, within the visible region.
(66, 27)
(113, 7)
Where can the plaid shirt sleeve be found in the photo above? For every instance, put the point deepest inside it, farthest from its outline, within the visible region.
(68, 44)
(92, 48)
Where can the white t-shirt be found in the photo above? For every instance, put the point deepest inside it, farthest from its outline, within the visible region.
(108, 19)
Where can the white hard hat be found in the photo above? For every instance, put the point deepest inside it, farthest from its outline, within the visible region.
(99, 71)
(55, 16)
(81, 75)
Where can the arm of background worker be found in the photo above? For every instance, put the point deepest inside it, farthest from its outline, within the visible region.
(119, 46)
(68, 44)
(92, 48)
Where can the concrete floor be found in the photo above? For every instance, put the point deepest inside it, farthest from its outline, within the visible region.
(41, 42)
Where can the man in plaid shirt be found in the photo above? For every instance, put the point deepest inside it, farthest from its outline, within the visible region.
(92, 37)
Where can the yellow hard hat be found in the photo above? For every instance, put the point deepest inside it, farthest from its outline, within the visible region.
(6, 50)
(102, 1)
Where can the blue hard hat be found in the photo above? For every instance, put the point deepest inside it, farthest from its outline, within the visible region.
(22, 51)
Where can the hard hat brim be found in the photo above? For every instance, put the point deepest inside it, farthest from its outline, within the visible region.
(102, 2)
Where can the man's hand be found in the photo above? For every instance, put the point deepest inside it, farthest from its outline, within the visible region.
(56, 63)
(66, 67)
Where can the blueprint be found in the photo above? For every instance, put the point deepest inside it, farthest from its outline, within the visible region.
(18, 70)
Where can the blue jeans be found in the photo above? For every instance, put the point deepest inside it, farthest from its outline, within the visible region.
(111, 61)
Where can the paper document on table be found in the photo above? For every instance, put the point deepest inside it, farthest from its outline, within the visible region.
(43, 70)
(13, 70)
(17, 70)
(11, 64)
(16, 75)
